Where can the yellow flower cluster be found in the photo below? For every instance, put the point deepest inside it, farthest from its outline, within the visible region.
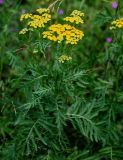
(75, 17)
(39, 21)
(77, 13)
(64, 58)
(117, 24)
(23, 31)
(25, 16)
(65, 32)
(36, 20)
(43, 10)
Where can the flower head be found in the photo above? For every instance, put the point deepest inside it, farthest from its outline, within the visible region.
(109, 39)
(43, 10)
(23, 31)
(75, 17)
(37, 20)
(1, 1)
(60, 12)
(77, 13)
(25, 16)
(114, 5)
(64, 58)
(117, 24)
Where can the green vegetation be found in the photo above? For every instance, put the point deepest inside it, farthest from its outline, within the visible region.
(61, 101)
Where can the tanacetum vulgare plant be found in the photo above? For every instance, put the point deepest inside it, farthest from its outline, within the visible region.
(62, 34)
(60, 106)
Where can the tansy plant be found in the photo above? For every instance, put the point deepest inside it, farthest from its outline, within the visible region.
(62, 96)
(63, 34)
(116, 26)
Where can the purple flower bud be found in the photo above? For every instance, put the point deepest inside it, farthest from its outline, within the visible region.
(109, 40)
(61, 12)
(1, 1)
(114, 5)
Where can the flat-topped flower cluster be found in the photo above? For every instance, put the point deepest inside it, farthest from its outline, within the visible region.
(65, 32)
(75, 17)
(64, 58)
(117, 24)
(37, 20)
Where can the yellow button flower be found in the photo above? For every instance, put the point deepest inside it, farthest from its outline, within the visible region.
(77, 13)
(75, 17)
(25, 16)
(117, 24)
(23, 31)
(64, 58)
(43, 10)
